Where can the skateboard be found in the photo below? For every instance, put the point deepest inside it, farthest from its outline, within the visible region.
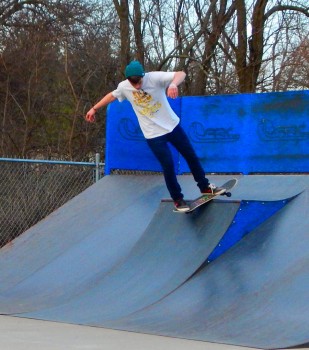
(205, 198)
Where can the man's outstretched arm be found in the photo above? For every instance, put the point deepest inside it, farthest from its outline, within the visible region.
(90, 116)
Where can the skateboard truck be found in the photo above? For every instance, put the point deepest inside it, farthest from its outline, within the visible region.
(228, 194)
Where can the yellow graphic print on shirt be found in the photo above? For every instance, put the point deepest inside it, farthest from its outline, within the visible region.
(147, 107)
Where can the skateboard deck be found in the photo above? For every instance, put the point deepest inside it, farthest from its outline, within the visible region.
(205, 198)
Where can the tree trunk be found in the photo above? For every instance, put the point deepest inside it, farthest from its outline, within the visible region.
(248, 69)
(241, 48)
(137, 24)
(256, 48)
(122, 9)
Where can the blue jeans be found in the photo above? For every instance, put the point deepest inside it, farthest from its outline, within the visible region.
(160, 148)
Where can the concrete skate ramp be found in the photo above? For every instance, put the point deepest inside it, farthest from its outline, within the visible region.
(77, 244)
(254, 295)
(115, 257)
(172, 247)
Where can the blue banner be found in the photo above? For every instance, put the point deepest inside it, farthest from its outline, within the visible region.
(244, 133)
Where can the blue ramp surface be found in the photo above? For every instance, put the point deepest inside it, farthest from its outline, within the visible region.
(172, 248)
(254, 295)
(249, 216)
(115, 257)
(78, 244)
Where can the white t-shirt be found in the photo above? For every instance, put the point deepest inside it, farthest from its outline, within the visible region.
(150, 104)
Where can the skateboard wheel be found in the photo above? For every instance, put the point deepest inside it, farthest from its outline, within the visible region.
(228, 194)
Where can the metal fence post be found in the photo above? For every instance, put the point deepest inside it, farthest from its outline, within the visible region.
(97, 167)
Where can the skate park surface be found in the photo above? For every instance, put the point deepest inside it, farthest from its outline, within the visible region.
(233, 274)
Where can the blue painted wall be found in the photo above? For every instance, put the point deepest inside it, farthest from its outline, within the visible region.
(245, 133)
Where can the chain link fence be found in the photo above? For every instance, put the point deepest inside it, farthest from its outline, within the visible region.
(30, 190)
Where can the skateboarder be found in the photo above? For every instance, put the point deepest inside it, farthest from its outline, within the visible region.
(160, 125)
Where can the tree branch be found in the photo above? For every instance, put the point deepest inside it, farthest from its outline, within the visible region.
(280, 8)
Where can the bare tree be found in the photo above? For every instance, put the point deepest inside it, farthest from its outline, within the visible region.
(122, 8)
(56, 61)
(48, 68)
(294, 69)
(250, 51)
(213, 34)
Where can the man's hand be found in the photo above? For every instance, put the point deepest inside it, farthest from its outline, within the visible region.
(90, 116)
(172, 91)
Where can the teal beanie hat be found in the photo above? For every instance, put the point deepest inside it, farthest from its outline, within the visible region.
(134, 68)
